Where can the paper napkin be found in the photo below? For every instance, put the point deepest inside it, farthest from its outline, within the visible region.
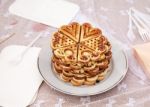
(142, 53)
(50, 12)
(19, 83)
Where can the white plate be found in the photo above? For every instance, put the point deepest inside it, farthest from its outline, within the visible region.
(118, 71)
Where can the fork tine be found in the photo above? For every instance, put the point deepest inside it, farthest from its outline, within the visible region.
(142, 36)
(148, 35)
(145, 34)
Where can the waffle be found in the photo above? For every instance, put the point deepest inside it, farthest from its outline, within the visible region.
(72, 31)
(88, 32)
(59, 41)
(81, 54)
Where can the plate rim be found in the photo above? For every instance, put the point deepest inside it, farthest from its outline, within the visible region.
(69, 93)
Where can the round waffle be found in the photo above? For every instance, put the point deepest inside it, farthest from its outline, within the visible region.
(81, 54)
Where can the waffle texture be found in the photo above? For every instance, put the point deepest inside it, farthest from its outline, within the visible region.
(81, 54)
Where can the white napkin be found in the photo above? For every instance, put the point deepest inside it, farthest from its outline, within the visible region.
(50, 12)
(18, 83)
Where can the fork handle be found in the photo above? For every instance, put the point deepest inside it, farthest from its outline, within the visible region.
(141, 22)
(143, 16)
(136, 23)
(130, 21)
(32, 42)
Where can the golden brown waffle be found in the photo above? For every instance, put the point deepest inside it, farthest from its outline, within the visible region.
(67, 54)
(59, 40)
(84, 54)
(81, 54)
(88, 32)
(72, 31)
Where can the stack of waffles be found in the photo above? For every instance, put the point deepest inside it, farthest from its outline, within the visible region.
(81, 54)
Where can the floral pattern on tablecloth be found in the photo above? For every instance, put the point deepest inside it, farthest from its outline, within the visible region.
(133, 91)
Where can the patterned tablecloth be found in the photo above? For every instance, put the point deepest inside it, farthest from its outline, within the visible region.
(133, 91)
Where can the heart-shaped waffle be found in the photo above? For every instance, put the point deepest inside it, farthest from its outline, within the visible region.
(88, 32)
(59, 40)
(72, 31)
(81, 54)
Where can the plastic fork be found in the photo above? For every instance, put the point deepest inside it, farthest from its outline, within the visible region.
(144, 17)
(144, 33)
(130, 33)
(146, 30)
(18, 58)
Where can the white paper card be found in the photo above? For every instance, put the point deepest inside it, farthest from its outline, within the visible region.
(19, 83)
(50, 12)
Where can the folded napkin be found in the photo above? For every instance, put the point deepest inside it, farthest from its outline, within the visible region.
(19, 83)
(142, 53)
(50, 12)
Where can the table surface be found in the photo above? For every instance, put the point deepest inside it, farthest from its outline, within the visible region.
(133, 91)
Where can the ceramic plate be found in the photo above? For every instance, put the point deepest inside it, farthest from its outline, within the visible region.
(119, 66)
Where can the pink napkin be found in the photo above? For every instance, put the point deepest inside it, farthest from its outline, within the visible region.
(142, 54)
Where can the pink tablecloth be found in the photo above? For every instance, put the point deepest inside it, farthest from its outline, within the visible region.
(133, 91)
